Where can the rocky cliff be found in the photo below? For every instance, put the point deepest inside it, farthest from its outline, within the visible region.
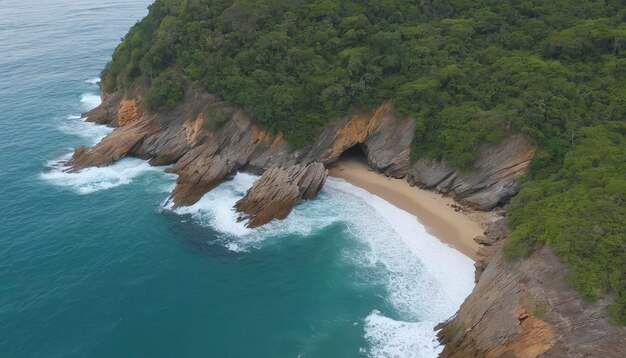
(525, 308)
(278, 190)
(518, 309)
(208, 141)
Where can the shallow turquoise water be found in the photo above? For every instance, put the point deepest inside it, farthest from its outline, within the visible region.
(94, 264)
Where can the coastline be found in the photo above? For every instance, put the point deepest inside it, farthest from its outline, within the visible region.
(441, 216)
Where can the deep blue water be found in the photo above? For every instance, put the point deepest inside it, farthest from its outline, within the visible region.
(93, 264)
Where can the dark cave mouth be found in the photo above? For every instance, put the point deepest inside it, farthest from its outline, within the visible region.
(355, 152)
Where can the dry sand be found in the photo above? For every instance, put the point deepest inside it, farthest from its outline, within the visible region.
(455, 228)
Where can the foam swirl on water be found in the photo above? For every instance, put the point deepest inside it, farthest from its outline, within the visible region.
(90, 101)
(78, 126)
(91, 180)
(426, 280)
(93, 81)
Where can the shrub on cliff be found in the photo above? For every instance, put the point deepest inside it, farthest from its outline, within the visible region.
(467, 71)
(580, 211)
(166, 92)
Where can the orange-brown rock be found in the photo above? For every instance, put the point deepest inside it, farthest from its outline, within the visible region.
(219, 156)
(518, 309)
(106, 112)
(128, 112)
(113, 147)
(204, 155)
(278, 190)
(525, 308)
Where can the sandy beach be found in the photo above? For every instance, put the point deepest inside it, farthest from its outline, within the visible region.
(436, 212)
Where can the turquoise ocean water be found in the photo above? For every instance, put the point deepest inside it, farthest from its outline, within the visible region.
(95, 265)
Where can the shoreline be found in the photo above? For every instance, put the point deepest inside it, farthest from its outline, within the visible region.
(442, 217)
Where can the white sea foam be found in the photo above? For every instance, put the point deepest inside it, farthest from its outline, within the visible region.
(389, 338)
(93, 81)
(76, 125)
(443, 263)
(426, 280)
(90, 101)
(95, 179)
(215, 208)
(92, 179)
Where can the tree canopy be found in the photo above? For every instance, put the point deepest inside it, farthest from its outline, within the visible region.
(467, 71)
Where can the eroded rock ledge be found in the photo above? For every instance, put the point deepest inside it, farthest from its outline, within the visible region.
(518, 309)
(525, 308)
(278, 191)
(207, 141)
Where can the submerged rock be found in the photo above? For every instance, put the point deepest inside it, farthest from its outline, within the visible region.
(274, 195)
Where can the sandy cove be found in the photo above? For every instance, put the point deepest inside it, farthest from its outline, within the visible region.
(442, 216)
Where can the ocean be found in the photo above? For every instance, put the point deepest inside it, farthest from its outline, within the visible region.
(95, 264)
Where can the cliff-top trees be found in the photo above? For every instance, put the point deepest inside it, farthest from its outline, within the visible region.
(467, 71)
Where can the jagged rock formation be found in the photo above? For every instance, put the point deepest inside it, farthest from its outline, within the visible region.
(518, 309)
(525, 308)
(491, 180)
(205, 151)
(278, 190)
(489, 244)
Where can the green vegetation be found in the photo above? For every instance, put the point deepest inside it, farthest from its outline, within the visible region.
(165, 92)
(581, 211)
(467, 71)
(540, 309)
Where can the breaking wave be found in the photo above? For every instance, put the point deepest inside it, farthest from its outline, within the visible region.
(426, 280)
(78, 126)
(90, 101)
(95, 179)
(93, 81)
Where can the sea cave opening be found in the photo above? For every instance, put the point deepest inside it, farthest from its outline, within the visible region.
(350, 158)
(355, 152)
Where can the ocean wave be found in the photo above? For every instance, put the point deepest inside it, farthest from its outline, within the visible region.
(215, 210)
(78, 126)
(93, 81)
(426, 280)
(90, 101)
(391, 338)
(95, 179)
(442, 262)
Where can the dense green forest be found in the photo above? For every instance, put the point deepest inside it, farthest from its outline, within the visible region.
(469, 72)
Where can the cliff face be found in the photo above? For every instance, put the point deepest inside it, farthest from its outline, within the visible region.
(518, 309)
(278, 190)
(525, 308)
(209, 141)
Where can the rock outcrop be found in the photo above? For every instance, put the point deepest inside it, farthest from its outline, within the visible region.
(489, 244)
(278, 190)
(518, 309)
(206, 151)
(525, 308)
(490, 182)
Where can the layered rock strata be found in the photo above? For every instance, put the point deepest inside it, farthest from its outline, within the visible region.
(208, 141)
(489, 244)
(278, 191)
(518, 309)
(526, 308)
